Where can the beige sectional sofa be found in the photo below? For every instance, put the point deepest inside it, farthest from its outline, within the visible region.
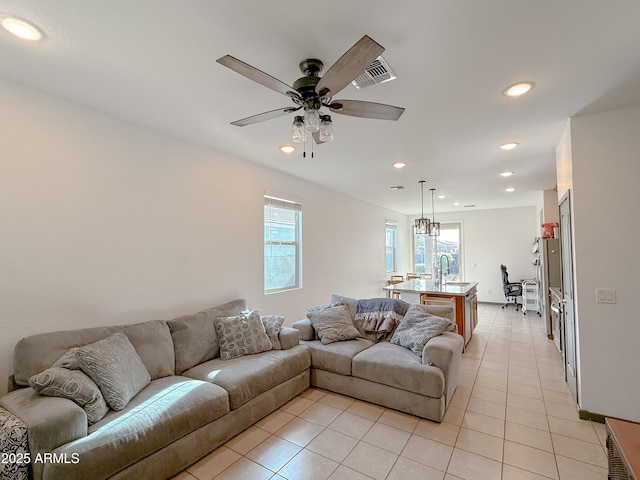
(378, 371)
(193, 403)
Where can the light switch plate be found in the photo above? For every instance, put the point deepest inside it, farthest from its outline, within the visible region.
(605, 295)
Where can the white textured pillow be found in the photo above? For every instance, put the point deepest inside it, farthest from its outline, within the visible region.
(115, 366)
(73, 385)
(273, 325)
(418, 327)
(333, 324)
(242, 334)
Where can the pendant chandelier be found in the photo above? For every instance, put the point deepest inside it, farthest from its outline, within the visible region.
(423, 225)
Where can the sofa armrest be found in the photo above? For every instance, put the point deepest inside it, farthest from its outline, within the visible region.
(289, 337)
(51, 421)
(307, 331)
(444, 352)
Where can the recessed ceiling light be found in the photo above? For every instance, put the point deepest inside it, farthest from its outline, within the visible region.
(456, 204)
(518, 89)
(287, 149)
(442, 197)
(21, 29)
(510, 189)
(508, 146)
(397, 187)
(399, 165)
(506, 173)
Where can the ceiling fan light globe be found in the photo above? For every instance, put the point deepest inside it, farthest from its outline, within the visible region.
(311, 120)
(326, 129)
(299, 135)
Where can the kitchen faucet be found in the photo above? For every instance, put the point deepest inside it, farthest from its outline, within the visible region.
(443, 276)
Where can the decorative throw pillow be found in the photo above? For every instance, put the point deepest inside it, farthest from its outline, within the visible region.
(273, 325)
(242, 334)
(73, 385)
(333, 324)
(68, 360)
(418, 327)
(115, 366)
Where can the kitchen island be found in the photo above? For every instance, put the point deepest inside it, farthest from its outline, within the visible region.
(464, 295)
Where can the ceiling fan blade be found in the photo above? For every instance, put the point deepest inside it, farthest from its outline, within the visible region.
(357, 108)
(349, 66)
(256, 75)
(316, 138)
(261, 117)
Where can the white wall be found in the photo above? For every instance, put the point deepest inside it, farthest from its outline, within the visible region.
(495, 237)
(104, 222)
(605, 195)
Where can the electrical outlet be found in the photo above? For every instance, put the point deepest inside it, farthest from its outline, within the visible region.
(605, 295)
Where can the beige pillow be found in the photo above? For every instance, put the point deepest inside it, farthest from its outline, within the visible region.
(273, 325)
(242, 334)
(333, 324)
(418, 327)
(114, 365)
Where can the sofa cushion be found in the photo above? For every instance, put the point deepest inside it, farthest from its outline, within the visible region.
(115, 367)
(74, 385)
(333, 324)
(418, 327)
(165, 410)
(247, 377)
(152, 341)
(242, 334)
(273, 326)
(336, 357)
(398, 367)
(194, 336)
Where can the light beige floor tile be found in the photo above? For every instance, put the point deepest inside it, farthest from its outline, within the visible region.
(480, 444)
(580, 429)
(531, 372)
(484, 424)
(469, 466)
(297, 405)
(399, 420)
(367, 410)
(489, 394)
(406, 468)
(273, 453)
(345, 473)
(321, 414)
(248, 440)
(492, 383)
(313, 394)
(299, 431)
(371, 460)
(337, 401)
(526, 391)
(245, 468)
(459, 400)
(454, 416)
(333, 445)
(500, 366)
(563, 398)
(556, 385)
(527, 417)
(352, 424)
(485, 407)
(523, 380)
(440, 432)
(578, 450)
(573, 470)
(428, 452)
(529, 436)
(307, 465)
(187, 476)
(568, 412)
(275, 421)
(510, 472)
(213, 464)
(530, 459)
(601, 432)
(387, 438)
(488, 372)
(525, 403)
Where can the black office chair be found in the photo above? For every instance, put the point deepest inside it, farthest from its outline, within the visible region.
(511, 290)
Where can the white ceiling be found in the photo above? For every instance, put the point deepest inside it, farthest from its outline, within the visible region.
(152, 62)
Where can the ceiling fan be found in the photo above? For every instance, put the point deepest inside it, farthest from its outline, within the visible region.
(313, 92)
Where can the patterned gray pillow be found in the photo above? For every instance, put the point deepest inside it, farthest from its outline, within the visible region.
(273, 325)
(115, 366)
(68, 360)
(333, 324)
(242, 334)
(73, 385)
(418, 327)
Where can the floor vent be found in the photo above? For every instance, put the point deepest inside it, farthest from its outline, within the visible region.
(375, 74)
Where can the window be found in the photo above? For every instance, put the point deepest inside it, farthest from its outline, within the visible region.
(282, 244)
(391, 243)
(449, 244)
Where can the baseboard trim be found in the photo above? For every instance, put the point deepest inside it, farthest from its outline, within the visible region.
(594, 417)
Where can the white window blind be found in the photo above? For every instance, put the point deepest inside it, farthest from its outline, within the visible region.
(282, 244)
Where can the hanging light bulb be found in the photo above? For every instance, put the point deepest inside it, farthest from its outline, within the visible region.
(434, 227)
(422, 224)
(311, 120)
(326, 129)
(299, 133)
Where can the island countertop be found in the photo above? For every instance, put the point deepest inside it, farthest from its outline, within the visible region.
(427, 286)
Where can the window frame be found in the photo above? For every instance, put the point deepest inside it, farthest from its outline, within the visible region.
(277, 202)
(393, 227)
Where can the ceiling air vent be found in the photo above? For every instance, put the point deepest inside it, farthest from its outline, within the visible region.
(375, 74)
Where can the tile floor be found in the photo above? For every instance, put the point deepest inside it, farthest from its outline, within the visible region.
(511, 418)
